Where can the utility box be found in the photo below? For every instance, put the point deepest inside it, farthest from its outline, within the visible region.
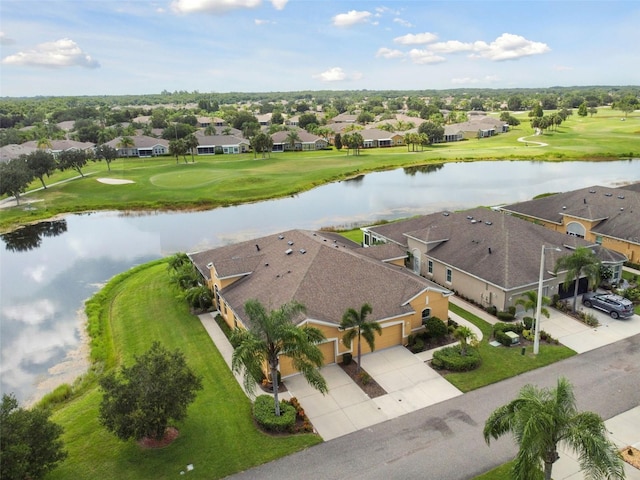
(515, 338)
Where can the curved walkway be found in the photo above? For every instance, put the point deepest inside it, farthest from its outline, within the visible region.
(533, 143)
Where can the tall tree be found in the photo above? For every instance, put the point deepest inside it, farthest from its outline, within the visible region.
(106, 153)
(30, 444)
(73, 159)
(142, 400)
(337, 141)
(177, 148)
(15, 176)
(41, 163)
(582, 109)
(434, 132)
(355, 141)
(271, 334)
(292, 138)
(542, 419)
(581, 263)
(262, 143)
(356, 325)
(529, 301)
(191, 143)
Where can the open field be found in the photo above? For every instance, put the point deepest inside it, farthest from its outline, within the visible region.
(213, 181)
(218, 437)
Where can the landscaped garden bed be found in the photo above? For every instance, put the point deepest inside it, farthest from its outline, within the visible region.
(363, 380)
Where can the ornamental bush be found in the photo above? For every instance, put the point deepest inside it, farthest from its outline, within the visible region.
(435, 328)
(506, 316)
(450, 358)
(265, 416)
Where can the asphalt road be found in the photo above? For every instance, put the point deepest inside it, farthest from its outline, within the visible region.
(445, 442)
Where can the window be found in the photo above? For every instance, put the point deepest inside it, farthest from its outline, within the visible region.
(449, 275)
(367, 238)
(599, 239)
(426, 314)
(430, 266)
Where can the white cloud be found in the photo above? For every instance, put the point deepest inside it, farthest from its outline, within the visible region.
(492, 78)
(562, 68)
(416, 39)
(216, 6)
(451, 46)
(402, 22)
(508, 47)
(334, 74)
(61, 53)
(351, 18)
(389, 53)
(4, 40)
(424, 57)
(279, 4)
(259, 21)
(31, 313)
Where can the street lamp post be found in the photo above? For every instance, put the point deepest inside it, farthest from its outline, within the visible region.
(536, 338)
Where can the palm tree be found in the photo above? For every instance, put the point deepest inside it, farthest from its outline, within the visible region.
(356, 325)
(292, 138)
(540, 420)
(271, 334)
(466, 337)
(44, 144)
(581, 263)
(191, 143)
(530, 302)
(126, 143)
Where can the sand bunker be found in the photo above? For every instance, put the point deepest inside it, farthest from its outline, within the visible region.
(114, 181)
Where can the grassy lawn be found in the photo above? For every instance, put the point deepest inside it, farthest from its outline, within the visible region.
(218, 437)
(218, 180)
(499, 363)
(502, 472)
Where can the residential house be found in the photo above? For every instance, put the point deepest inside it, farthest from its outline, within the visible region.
(481, 127)
(292, 121)
(217, 144)
(606, 216)
(58, 146)
(453, 133)
(143, 146)
(484, 255)
(264, 119)
(375, 138)
(14, 150)
(345, 118)
(328, 276)
(306, 141)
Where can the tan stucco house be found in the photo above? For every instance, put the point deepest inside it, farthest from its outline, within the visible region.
(606, 216)
(483, 255)
(328, 275)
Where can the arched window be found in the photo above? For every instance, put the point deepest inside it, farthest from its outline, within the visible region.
(575, 229)
(416, 261)
(426, 314)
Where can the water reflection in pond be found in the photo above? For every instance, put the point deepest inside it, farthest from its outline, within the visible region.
(50, 269)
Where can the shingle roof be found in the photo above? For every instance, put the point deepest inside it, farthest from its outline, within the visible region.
(496, 247)
(140, 141)
(220, 140)
(305, 137)
(328, 278)
(617, 210)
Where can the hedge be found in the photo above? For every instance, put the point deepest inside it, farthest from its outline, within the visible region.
(264, 413)
(450, 358)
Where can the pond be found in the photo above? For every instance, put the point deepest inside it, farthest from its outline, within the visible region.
(49, 269)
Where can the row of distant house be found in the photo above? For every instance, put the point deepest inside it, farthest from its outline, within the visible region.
(232, 141)
(407, 270)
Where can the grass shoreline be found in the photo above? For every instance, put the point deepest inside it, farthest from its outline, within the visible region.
(215, 181)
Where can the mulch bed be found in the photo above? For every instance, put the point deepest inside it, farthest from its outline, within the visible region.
(169, 436)
(371, 388)
(631, 455)
(268, 387)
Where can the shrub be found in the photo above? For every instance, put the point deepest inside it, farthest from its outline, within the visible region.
(365, 378)
(418, 345)
(506, 316)
(528, 322)
(503, 338)
(265, 416)
(512, 310)
(508, 327)
(450, 358)
(435, 328)
(452, 323)
(492, 310)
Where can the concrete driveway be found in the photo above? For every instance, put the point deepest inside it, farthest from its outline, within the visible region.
(409, 382)
(581, 337)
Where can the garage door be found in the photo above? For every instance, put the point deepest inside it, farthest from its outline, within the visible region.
(391, 336)
(328, 350)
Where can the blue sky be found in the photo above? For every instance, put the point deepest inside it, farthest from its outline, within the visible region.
(91, 47)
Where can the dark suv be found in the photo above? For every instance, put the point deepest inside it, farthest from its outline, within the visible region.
(614, 305)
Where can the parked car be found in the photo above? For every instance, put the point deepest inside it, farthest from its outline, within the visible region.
(614, 305)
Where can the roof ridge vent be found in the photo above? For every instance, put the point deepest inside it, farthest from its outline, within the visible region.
(288, 251)
(608, 194)
(488, 223)
(621, 197)
(303, 251)
(290, 242)
(281, 237)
